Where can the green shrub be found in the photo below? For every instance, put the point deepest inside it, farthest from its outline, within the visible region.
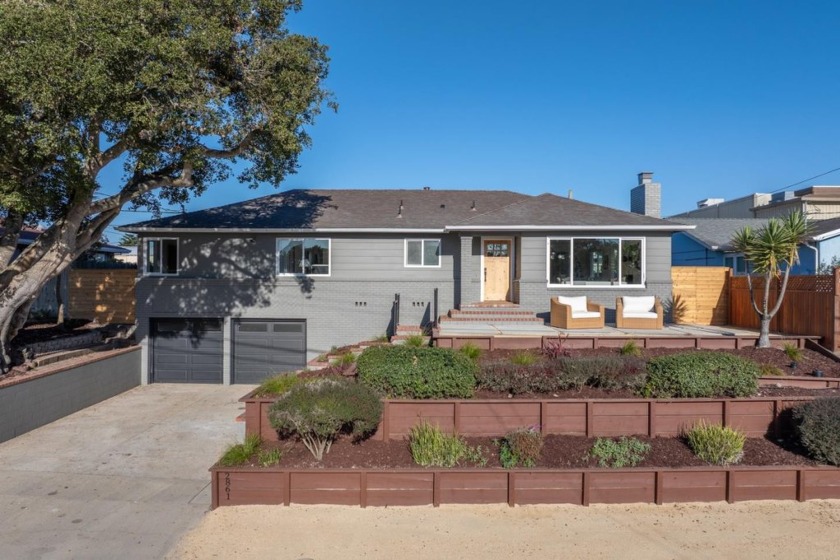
(269, 457)
(345, 359)
(716, 444)
(430, 447)
(471, 351)
(701, 374)
(818, 426)
(277, 384)
(322, 409)
(523, 358)
(239, 453)
(630, 348)
(417, 373)
(769, 370)
(623, 452)
(416, 341)
(521, 447)
(793, 352)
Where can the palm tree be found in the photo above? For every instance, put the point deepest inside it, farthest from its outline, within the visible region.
(771, 251)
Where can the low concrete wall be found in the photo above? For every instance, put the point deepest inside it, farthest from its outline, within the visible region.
(35, 402)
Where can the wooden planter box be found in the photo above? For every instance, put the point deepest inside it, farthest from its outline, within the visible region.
(403, 487)
(755, 417)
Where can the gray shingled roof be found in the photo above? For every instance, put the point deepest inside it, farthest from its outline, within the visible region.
(716, 233)
(306, 209)
(821, 227)
(549, 210)
(401, 209)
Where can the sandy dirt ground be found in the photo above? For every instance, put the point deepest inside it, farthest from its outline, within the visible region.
(764, 530)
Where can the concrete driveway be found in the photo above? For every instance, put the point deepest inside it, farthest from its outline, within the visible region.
(121, 479)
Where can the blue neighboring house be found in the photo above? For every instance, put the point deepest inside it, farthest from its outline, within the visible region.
(709, 244)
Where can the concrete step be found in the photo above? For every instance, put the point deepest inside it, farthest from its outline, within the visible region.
(491, 319)
(409, 330)
(400, 339)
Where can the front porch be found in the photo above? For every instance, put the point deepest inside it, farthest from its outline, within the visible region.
(493, 335)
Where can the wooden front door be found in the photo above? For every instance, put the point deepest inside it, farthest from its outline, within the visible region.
(496, 269)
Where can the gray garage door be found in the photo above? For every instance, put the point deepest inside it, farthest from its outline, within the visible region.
(187, 350)
(263, 348)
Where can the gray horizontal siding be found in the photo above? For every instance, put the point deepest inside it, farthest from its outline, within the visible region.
(353, 257)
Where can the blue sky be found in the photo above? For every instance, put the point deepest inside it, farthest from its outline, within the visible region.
(718, 99)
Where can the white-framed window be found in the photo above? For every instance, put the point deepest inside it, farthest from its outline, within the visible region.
(737, 263)
(160, 256)
(303, 256)
(595, 261)
(422, 253)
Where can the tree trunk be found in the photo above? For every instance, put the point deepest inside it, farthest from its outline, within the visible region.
(764, 333)
(59, 301)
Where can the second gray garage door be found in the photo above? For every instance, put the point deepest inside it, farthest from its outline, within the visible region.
(263, 348)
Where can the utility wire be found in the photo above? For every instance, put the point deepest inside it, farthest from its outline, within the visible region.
(806, 180)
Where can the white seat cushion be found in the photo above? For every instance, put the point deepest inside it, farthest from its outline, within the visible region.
(577, 303)
(638, 304)
(638, 315)
(585, 314)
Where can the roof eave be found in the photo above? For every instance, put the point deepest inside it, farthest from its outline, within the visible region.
(131, 229)
(675, 227)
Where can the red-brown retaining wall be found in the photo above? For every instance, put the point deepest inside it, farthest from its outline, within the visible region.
(755, 417)
(403, 487)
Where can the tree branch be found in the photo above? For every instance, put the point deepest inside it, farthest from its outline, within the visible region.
(141, 185)
(11, 232)
(232, 152)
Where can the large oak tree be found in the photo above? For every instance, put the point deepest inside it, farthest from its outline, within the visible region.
(174, 91)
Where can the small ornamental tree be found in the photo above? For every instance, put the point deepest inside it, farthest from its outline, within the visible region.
(771, 251)
(321, 410)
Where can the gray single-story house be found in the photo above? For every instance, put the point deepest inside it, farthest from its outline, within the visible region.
(234, 293)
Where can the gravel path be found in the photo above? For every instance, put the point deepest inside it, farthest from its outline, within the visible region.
(759, 530)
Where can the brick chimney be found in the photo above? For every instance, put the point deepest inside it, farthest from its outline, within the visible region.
(646, 198)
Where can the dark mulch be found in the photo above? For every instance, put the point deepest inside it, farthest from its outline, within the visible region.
(559, 452)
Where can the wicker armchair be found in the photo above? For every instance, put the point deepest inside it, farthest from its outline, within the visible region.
(576, 313)
(638, 312)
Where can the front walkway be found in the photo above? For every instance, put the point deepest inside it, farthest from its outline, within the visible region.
(121, 479)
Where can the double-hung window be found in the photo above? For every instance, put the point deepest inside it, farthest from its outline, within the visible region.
(422, 253)
(308, 256)
(160, 256)
(596, 261)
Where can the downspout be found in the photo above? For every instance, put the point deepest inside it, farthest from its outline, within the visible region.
(816, 257)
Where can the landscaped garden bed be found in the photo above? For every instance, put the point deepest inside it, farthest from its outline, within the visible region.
(409, 412)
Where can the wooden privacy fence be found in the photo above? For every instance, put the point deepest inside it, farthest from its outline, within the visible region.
(106, 295)
(811, 306)
(700, 295)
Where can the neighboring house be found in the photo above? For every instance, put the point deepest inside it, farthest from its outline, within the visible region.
(817, 203)
(710, 244)
(46, 303)
(234, 293)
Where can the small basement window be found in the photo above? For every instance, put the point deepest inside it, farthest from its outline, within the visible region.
(160, 256)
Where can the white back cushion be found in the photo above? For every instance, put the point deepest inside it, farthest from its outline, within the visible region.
(638, 304)
(577, 303)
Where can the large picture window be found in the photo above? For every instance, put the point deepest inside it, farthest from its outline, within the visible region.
(160, 256)
(303, 256)
(595, 261)
(422, 252)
